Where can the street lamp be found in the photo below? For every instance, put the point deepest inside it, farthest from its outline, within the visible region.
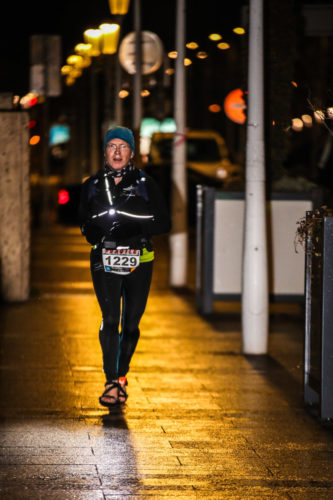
(110, 37)
(93, 37)
(119, 7)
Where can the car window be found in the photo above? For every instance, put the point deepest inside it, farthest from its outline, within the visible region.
(202, 150)
(165, 149)
(197, 149)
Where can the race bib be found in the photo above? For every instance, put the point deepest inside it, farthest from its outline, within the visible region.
(121, 260)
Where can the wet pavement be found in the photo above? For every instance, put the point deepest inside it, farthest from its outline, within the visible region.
(202, 420)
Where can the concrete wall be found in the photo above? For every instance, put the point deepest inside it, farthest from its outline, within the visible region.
(14, 206)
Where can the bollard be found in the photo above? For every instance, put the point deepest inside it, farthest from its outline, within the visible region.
(14, 207)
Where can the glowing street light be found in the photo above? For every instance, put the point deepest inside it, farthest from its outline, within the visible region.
(110, 37)
(223, 46)
(215, 37)
(119, 7)
(93, 37)
(202, 54)
(192, 45)
(239, 30)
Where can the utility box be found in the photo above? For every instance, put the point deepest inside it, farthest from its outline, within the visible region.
(318, 344)
(14, 206)
(219, 246)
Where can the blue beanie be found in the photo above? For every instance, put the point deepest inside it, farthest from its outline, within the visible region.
(123, 133)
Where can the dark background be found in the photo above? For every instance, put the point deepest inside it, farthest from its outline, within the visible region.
(290, 55)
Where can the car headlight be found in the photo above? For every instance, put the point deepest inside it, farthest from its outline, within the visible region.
(221, 173)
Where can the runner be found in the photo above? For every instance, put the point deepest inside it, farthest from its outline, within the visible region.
(120, 210)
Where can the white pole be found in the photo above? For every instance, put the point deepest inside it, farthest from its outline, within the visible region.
(255, 301)
(179, 237)
(137, 102)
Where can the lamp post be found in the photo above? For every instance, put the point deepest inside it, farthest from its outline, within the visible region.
(109, 45)
(179, 235)
(118, 8)
(103, 40)
(255, 303)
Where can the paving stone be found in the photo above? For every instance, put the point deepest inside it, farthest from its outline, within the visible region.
(202, 420)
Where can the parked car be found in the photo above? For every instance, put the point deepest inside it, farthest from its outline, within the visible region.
(207, 163)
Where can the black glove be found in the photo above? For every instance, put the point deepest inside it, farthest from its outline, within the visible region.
(104, 222)
(92, 233)
(124, 230)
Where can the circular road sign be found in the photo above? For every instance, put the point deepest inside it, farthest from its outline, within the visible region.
(152, 53)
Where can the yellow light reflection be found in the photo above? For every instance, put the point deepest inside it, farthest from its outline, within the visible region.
(192, 45)
(123, 93)
(187, 61)
(307, 120)
(145, 93)
(66, 69)
(223, 46)
(173, 54)
(74, 60)
(169, 71)
(93, 36)
(69, 81)
(110, 37)
(118, 7)
(202, 55)
(83, 49)
(319, 116)
(239, 30)
(297, 124)
(75, 73)
(215, 37)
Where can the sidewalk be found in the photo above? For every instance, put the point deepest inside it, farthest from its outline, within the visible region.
(202, 420)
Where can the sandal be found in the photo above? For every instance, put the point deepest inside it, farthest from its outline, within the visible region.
(122, 394)
(108, 388)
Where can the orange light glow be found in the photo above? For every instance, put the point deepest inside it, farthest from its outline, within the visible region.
(239, 30)
(223, 46)
(35, 139)
(173, 54)
(215, 37)
(297, 124)
(192, 45)
(214, 108)
(123, 93)
(234, 106)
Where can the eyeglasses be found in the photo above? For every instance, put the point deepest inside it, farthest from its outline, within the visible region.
(114, 147)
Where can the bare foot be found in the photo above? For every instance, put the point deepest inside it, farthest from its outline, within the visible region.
(110, 397)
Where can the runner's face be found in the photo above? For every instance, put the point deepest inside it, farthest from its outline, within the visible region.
(118, 153)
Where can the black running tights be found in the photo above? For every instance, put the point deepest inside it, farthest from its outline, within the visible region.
(122, 300)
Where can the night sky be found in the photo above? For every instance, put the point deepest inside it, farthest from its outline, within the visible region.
(69, 19)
